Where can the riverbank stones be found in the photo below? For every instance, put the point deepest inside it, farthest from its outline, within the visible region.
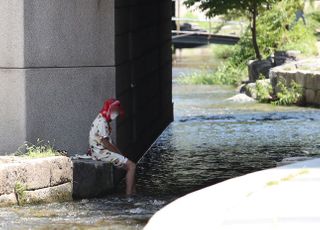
(53, 179)
(34, 175)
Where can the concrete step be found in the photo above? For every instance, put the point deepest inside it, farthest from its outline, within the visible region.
(92, 178)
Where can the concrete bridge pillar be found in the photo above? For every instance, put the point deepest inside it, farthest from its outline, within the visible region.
(143, 71)
(60, 60)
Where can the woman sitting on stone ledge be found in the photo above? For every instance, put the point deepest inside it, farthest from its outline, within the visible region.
(101, 145)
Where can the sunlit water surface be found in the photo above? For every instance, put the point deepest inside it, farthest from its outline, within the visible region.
(211, 140)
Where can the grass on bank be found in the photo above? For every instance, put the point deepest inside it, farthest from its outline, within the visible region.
(38, 150)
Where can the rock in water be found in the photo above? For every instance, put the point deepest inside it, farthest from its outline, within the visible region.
(241, 98)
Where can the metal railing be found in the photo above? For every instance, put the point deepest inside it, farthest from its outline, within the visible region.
(210, 21)
(209, 32)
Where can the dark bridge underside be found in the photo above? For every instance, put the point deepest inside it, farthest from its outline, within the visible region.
(194, 40)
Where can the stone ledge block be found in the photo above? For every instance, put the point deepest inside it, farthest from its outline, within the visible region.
(9, 175)
(316, 82)
(35, 173)
(300, 79)
(310, 96)
(58, 193)
(8, 199)
(92, 178)
(60, 170)
(291, 78)
(310, 81)
(317, 98)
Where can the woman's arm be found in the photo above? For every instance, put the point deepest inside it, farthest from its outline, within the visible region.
(111, 147)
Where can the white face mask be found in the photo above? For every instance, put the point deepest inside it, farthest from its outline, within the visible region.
(114, 115)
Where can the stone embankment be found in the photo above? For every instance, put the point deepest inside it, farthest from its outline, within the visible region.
(25, 180)
(52, 179)
(306, 73)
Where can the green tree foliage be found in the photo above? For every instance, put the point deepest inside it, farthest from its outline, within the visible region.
(249, 8)
(273, 34)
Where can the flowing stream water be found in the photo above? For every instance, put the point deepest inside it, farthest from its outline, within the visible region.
(211, 140)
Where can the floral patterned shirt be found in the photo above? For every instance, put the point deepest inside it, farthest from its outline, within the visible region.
(99, 129)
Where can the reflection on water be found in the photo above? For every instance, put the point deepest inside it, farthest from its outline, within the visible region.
(211, 140)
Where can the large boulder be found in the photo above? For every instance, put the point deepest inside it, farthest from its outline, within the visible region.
(258, 67)
(282, 57)
(251, 90)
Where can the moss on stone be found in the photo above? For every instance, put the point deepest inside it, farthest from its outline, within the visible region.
(20, 191)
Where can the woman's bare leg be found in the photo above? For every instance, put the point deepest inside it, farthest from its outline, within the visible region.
(130, 178)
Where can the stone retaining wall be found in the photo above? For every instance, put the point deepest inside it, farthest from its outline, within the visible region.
(35, 180)
(306, 73)
(53, 179)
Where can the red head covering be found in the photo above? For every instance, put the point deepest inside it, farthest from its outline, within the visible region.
(109, 106)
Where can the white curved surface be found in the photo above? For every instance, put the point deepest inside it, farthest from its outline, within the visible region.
(286, 197)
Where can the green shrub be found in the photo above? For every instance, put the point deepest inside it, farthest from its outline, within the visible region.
(264, 91)
(301, 38)
(226, 74)
(288, 95)
(277, 31)
(313, 20)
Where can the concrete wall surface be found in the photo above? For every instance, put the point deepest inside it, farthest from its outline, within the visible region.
(12, 33)
(60, 60)
(56, 33)
(13, 110)
(62, 103)
(53, 104)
